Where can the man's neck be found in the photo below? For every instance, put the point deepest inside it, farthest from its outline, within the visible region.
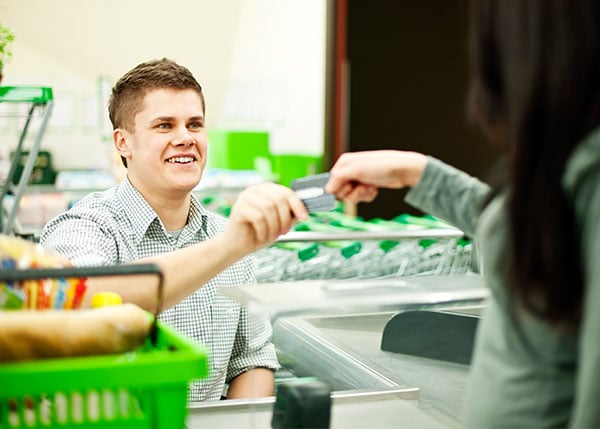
(173, 209)
(173, 213)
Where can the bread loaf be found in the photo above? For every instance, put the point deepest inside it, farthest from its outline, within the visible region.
(27, 335)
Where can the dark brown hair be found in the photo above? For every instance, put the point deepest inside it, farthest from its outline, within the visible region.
(535, 79)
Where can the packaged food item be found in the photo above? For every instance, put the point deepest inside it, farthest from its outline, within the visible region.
(57, 293)
(106, 298)
(32, 335)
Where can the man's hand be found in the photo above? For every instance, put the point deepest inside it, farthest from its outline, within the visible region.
(261, 213)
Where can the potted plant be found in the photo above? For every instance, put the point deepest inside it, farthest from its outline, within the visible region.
(7, 37)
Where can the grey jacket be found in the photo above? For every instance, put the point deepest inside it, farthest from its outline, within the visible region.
(545, 378)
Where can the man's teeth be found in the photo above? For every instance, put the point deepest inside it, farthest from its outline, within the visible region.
(181, 159)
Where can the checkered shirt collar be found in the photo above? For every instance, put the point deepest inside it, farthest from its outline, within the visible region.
(138, 208)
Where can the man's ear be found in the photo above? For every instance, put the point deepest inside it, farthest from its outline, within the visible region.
(121, 142)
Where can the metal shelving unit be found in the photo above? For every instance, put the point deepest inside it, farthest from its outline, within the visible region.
(38, 99)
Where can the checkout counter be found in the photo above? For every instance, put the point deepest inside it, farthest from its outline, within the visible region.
(395, 352)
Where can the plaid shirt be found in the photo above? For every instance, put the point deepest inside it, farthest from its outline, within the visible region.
(118, 225)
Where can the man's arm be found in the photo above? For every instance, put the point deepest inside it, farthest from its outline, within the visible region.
(181, 270)
(254, 383)
(253, 361)
(260, 214)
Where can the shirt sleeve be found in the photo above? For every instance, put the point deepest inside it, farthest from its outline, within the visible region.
(252, 346)
(449, 194)
(85, 241)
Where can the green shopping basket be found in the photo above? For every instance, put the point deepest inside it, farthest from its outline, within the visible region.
(145, 388)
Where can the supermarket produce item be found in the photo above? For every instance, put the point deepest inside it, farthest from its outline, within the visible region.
(29, 335)
(104, 299)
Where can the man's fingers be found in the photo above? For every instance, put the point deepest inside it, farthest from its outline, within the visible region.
(270, 209)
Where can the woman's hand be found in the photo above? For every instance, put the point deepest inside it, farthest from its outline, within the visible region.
(357, 176)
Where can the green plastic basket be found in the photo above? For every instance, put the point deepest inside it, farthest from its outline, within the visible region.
(146, 388)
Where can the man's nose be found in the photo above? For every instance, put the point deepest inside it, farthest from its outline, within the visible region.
(184, 136)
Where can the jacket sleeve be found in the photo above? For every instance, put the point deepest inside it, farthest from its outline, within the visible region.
(449, 194)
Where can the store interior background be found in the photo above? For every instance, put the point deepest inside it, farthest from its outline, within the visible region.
(319, 77)
(260, 62)
(265, 65)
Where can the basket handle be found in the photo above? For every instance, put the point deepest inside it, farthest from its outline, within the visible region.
(99, 271)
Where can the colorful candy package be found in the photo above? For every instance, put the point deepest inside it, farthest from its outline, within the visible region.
(19, 254)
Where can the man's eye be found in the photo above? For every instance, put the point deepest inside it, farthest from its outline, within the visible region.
(196, 125)
(163, 126)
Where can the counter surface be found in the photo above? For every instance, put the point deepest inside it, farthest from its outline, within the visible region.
(392, 408)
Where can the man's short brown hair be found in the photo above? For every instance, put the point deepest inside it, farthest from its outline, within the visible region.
(129, 91)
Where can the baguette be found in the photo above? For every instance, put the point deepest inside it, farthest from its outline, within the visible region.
(27, 335)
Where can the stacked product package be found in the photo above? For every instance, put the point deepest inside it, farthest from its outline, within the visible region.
(56, 293)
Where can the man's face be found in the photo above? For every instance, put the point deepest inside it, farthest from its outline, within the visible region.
(166, 154)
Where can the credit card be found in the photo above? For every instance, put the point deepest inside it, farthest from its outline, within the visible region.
(311, 190)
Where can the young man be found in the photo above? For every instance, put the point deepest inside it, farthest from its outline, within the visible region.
(158, 115)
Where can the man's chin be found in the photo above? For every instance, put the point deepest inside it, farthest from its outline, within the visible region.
(188, 181)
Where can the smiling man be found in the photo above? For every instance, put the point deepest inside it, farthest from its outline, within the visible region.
(158, 114)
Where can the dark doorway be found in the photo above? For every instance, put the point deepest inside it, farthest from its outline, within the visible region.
(407, 74)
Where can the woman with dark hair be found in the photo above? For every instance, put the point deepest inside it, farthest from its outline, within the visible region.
(535, 89)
